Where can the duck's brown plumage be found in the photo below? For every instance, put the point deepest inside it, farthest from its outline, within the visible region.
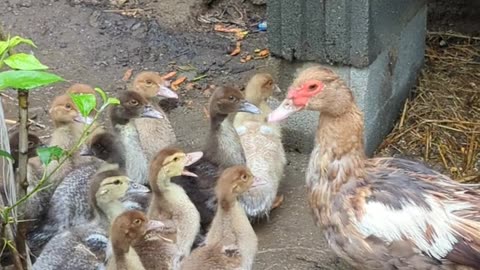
(231, 242)
(222, 149)
(380, 213)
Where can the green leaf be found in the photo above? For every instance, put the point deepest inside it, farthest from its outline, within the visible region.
(85, 103)
(16, 40)
(5, 154)
(113, 101)
(3, 47)
(24, 61)
(102, 94)
(47, 154)
(26, 79)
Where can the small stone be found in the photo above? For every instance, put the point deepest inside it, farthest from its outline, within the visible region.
(136, 26)
(63, 45)
(443, 43)
(25, 4)
(259, 2)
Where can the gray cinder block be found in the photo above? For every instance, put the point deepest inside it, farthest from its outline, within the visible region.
(382, 72)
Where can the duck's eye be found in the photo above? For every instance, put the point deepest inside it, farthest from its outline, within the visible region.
(137, 221)
(117, 182)
(134, 102)
(312, 87)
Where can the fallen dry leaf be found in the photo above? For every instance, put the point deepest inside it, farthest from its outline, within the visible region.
(169, 75)
(127, 74)
(263, 53)
(240, 35)
(237, 49)
(246, 58)
(177, 82)
(222, 28)
(205, 111)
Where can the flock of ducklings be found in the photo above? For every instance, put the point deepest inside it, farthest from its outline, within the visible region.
(131, 200)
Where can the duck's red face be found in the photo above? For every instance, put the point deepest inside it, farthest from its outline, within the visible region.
(297, 99)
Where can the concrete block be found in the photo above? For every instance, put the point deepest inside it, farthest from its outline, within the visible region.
(345, 32)
(380, 89)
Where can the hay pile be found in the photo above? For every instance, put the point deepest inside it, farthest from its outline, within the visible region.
(441, 123)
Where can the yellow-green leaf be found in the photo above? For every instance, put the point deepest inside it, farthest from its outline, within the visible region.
(24, 61)
(85, 103)
(102, 94)
(47, 154)
(26, 79)
(5, 154)
(13, 42)
(3, 47)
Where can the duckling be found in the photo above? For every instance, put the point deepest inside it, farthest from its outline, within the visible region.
(69, 125)
(33, 143)
(231, 242)
(378, 213)
(80, 88)
(262, 143)
(170, 202)
(127, 228)
(132, 105)
(69, 206)
(222, 149)
(153, 134)
(84, 246)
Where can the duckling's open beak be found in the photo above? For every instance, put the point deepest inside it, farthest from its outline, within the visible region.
(166, 92)
(248, 107)
(153, 225)
(257, 181)
(285, 109)
(193, 157)
(86, 120)
(150, 112)
(135, 188)
(187, 173)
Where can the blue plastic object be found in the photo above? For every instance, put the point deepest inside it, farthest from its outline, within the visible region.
(262, 26)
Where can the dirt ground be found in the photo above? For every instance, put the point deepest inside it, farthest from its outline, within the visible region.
(90, 41)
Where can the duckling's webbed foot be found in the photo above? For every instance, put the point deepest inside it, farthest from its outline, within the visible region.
(278, 201)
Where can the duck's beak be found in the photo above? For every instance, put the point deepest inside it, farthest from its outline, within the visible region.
(248, 107)
(135, 188)
(150, 112)
(86, 120)
(153, 225)
(277, 89)
(285, 109)
(164, 91)
(193, 157)
(257, 181)
(86, 151)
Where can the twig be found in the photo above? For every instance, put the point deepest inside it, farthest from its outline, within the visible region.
(7, 96)
(452, 35)
(30, 121)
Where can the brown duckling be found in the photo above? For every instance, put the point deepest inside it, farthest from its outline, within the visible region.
(262, 143)
(231, 242)
(33, 143)
(222, 149)
(69, 206)
(379, 213)
(170, 202)
(153, 134)
(126, 229)
(132, 105)
(84, 246)
(69, 125)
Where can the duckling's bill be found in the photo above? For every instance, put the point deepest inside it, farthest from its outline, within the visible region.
(154, 225)
(150, 112)
(82, 119)
(164, 91)
(248, 107)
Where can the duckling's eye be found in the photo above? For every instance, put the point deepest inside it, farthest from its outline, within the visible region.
(68, 106)
(244, 177)
(134, 102)
(148, 83)
(117, 182)
(231, 98)
(137, 221)
(30, 144)
(175, 159)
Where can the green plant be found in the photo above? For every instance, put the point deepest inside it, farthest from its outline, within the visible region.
(26, 73)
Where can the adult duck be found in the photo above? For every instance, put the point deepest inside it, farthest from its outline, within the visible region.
(379, 213)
